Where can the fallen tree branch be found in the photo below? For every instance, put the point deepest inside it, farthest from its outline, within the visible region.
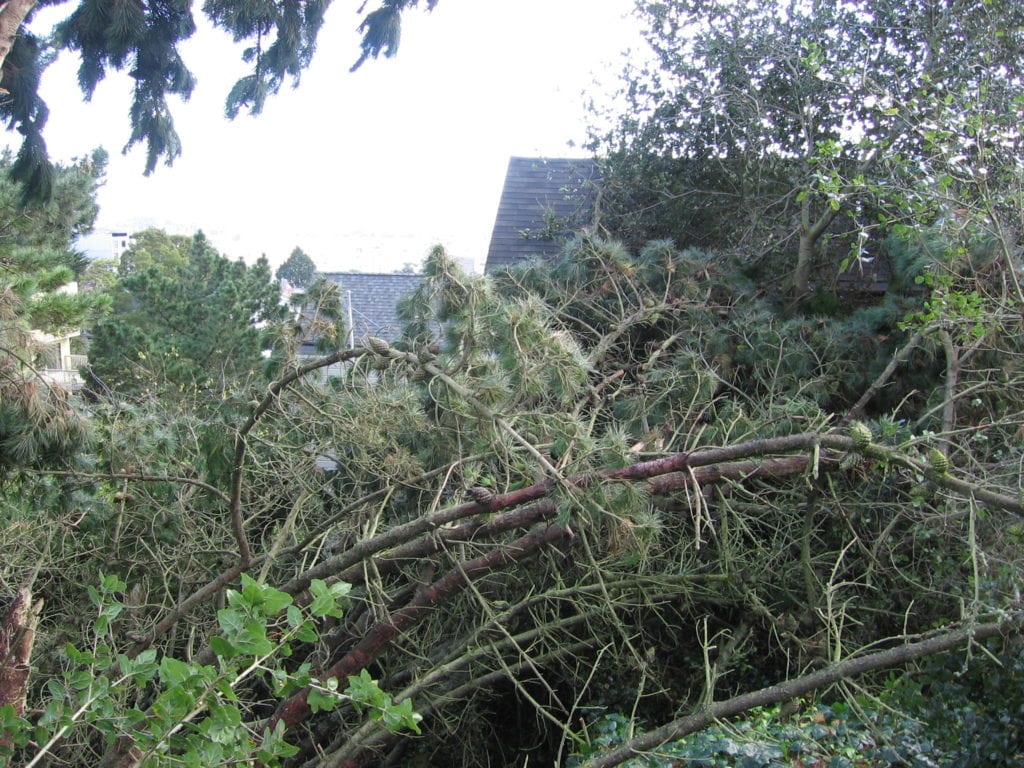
(790, 689)
(295, 709)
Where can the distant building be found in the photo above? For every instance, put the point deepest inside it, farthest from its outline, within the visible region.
(370, 302)
(369, 306)
(53, 361)
(120, 242)
(543, 203)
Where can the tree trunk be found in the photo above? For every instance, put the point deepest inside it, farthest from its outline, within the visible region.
(12, 13)
(17, 635)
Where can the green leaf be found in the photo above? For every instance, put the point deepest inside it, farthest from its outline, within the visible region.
(325, 599)
(174, 672)
(320, 700)
(231, 621)
(306, 632)
(275, 601)
(222, 647)
(252, 639)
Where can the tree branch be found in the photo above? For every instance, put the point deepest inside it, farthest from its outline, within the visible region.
(790, 689)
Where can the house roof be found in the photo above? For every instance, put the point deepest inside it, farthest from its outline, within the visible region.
(373, 299)
(542, 203)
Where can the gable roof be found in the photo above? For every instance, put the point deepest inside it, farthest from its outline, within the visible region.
(372, 300)
(542, 203)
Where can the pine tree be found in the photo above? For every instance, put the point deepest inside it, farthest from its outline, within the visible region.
(186, 319)
(39, 423)
(299, 269)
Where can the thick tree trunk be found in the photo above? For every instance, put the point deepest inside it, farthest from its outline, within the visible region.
(12, 14)
(17, 635)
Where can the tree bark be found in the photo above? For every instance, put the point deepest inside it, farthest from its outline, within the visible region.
(17, 635)
(12, 14)
(295, 709)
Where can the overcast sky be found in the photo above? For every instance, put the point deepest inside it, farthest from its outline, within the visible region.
(368, 170)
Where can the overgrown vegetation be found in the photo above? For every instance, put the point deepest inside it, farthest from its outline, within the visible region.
(637, 505)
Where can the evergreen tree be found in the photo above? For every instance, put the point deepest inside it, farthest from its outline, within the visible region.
(190, 321)
(299, 270)
(279, 39)
(38, 422)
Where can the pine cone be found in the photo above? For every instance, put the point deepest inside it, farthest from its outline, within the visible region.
(379, 346)
(861, 435)
(938, 461)
(479, 494)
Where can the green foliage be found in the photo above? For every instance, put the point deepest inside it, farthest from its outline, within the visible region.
(800, 136)
(971, 709)
(184, 322)
(836, 735)
(950, 712)
(154, 248)
(278, 39)
(39, 425)
(195, 715)
(298, 269)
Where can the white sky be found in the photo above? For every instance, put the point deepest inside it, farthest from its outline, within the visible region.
(367, 170)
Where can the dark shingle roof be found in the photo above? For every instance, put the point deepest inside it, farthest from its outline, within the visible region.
(542, 203)
(373, 298)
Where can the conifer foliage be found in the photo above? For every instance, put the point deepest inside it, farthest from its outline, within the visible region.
(609, 498)
(278, 37)
(38, 424)
(185, 319)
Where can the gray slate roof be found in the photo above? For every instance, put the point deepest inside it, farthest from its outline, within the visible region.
(542, 203)
(374, 298)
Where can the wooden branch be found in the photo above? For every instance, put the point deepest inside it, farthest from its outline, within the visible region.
(791, 689)
(295, 709)
(241, 443)
(134, 476)
(883, 378)
(949, 388)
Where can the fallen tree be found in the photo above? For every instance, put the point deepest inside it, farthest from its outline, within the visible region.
(611, 501)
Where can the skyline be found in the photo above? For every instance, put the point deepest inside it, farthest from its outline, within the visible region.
(367, 170)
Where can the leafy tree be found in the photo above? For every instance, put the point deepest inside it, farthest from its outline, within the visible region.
(298, 269)
(279, 39)
(781, 128)
(154, 248)
(38, 423)
(190, 321)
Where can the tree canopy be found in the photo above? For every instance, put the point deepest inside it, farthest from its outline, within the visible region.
(185, 319)
(37, 264)
(277, 40)
(298, 269)
(617, 498)
(806, 131)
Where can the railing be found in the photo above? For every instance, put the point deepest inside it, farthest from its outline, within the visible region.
(62, 377)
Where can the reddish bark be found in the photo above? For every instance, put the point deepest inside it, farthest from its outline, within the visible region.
(738, 470)
(296, 709)
(17, 635)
